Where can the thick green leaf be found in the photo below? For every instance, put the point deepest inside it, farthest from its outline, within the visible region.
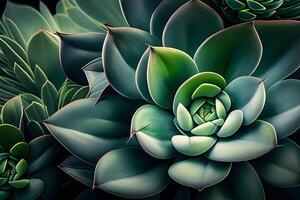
(184, 118)
(247, 94)
(183, 32)
(247, 143)
(20, 14)
(32, 191)
(76, 50)
(44, 150)
(99, 127)
(12, 112)
(103, 11)
(167, 69)
(14, 54)
(43, 51)
(67, 26)
(194, 145)
(122, 50)
(36, 111)
(79, 170)
(239, 55)
(24, 78)
(138, 12)
(49, 96)
(162, 14)
(281, 166)
(96, 77)
(241, 183)
(232, 124)
(136, 174)
(141, 77)
(154, 129)
(279, 58)
(200, 172)
(185, 91)
(20, 150)
(9, 136)
(282, 107)
(47, 15)
(83, 20)
(15, 31)
(39, 78)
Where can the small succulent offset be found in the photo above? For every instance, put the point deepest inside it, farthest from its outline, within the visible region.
(178, 97)
(246, 10)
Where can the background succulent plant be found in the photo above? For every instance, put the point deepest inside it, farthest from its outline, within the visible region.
(130, 131)
(246, 10)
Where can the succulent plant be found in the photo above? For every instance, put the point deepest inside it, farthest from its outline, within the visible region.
(25, 164)
(246, 10)
(188, 101)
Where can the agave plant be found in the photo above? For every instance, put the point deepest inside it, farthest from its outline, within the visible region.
(246, 10)
(192, 102)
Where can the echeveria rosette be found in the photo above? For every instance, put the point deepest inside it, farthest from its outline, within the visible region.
(231, 78)
(246, 10)
(24, 164)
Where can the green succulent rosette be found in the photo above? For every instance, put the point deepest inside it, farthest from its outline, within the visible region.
(174, 98)
(26, 165)
(246, 10)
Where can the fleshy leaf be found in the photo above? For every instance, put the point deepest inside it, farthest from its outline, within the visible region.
(182, 25)
(282, 107)
(103, 11)
(12, 112)
(49, 96)
(201, 172)
(279, 58)
(43, 51)
(207, 128)
(79, 170)
(122, 50)
(43, 150)
(194, 145)
(280, 167)
(184, 118)
(98, 126)
(185, 91)
(248, 95)
(232, 124)
(247, 143)
(242, 177)
(76, 50)
(162, 14)
(20, 150)
(168, 68)
(138, 12)
(154, 129)
(239, 56)
(9, 136)
(96, 77)
(20, 14)
(33, 190)
(148, 173)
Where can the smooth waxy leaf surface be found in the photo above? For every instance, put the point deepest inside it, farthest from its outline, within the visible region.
(168, 68)
(182, 25)
(247, 143)
(148, 173)
(76, 50)
(9, 136)
(239, 56)
(248, 95)
(12, 112)
(99, 127)
(282, 107)
(279, 58)
(122, 50)
(201, 173)
(138, 12)
(280, 167)
(242, 177)
(154, 129)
